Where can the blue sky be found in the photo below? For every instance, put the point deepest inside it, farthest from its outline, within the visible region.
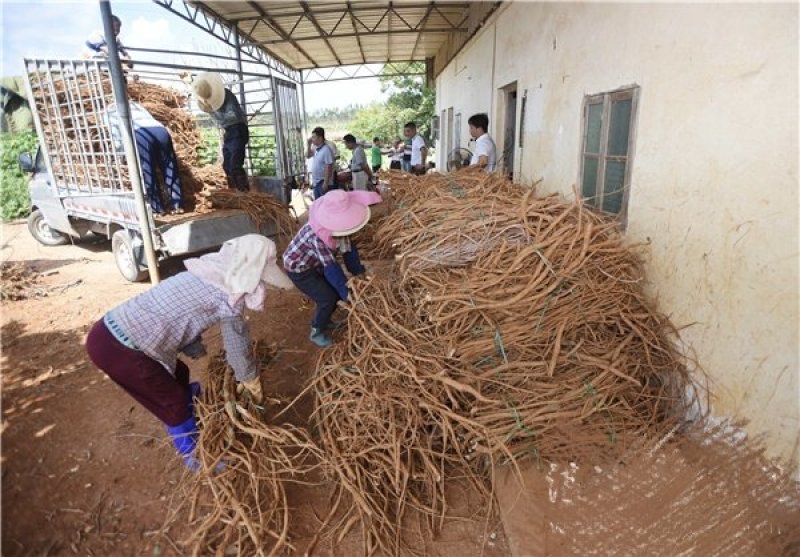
(58, 29)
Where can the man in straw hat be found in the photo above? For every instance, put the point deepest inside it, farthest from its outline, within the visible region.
(310, 258)
(221, 104)
(137, 343)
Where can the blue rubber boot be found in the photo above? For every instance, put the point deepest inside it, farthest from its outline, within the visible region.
(320, 338)
(184, 437)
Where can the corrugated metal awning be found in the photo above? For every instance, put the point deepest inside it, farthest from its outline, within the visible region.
(319, 34)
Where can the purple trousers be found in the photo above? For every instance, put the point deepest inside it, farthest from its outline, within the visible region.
(143, 378)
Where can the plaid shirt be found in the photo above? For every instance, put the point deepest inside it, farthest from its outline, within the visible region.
(173, 314)
(306, 251)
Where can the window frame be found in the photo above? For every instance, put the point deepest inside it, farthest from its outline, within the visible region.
(629, 92)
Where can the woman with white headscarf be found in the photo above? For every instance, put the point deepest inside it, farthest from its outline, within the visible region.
(137, 343)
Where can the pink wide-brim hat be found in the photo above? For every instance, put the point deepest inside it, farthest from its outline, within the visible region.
(343, 213)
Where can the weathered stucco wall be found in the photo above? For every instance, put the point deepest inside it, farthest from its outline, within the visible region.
(715, 169)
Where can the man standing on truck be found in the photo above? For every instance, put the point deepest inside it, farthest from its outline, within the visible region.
(98, 46)
(221, 104)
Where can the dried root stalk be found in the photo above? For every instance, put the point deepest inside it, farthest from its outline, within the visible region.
(17, 281)
(237, 502)
(262, 208)
(389, 430)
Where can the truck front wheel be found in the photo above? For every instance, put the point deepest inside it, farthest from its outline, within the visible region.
(39, 229)
(127, 256)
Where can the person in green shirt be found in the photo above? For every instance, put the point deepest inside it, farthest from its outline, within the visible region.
(376, 155)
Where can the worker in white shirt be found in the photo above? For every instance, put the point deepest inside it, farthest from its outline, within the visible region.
(396, 155)
(97, 45)
(415, 150)
(485, 155)
(360, 170)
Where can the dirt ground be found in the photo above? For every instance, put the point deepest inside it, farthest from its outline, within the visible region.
(87, 471)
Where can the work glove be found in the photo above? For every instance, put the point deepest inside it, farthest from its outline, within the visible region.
(253, 387)
(335, 277)
(353, 262)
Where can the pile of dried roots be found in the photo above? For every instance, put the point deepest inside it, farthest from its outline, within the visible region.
(513, 326)
(99, 164)
(17, 281)
(169, 107)
(237, 503)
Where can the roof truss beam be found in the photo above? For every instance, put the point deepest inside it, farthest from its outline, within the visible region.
(360, 71)
(322, 33)
(275, 26)
(372, 33)
(203, 17)
(355, 28)
(319, 10)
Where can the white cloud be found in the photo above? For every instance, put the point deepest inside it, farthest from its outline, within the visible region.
(149, 33)
(45, 31)
(343, 93)
(58, 29)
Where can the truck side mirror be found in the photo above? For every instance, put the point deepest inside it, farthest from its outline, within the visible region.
(26, 162)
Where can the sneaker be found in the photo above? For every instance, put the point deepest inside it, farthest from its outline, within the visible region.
(320, 338)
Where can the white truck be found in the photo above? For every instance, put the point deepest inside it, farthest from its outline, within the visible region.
(81, 184)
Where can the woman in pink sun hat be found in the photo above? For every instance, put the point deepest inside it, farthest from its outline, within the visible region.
(310, 259)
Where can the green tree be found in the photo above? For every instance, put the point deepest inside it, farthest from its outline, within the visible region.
(409, 101)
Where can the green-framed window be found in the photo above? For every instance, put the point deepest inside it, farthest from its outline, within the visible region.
(607, 149)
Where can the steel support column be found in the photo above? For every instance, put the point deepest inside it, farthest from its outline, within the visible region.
(124, 116)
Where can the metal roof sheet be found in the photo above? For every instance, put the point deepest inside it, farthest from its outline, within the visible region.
(319, 34)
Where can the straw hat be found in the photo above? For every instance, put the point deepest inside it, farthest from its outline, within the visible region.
(209, 87)
(341, 213)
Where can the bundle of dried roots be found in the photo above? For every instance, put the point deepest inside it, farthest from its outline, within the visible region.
(514, 326)
(237, 503)
(17, 281)
(262, 208)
